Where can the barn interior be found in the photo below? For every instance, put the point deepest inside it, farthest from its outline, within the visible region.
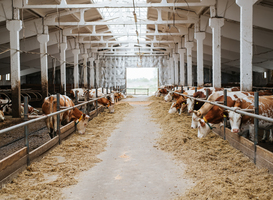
(111, 146)
(53, 46)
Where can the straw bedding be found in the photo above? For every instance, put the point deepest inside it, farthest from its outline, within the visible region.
(219, 170)
(58, 169)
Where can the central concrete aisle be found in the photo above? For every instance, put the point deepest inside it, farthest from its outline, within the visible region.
(132, 168)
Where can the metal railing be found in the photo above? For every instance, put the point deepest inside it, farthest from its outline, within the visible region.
(135, 89)
(256, 116)
(26, 123)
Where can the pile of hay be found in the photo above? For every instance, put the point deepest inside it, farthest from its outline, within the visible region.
(57, 169)
(130, 96)
(219, 170)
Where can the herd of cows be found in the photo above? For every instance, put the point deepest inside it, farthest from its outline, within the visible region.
(205, 115)
(50, 106)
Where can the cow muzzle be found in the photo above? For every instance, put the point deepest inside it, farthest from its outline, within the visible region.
(235, 130)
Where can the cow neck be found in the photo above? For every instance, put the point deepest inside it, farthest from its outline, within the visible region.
(77, 113)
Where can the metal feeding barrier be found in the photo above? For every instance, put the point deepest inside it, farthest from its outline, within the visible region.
(26, 123)
(256, 116)
(135, 89)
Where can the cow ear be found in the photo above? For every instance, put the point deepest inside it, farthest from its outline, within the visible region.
(202, 123)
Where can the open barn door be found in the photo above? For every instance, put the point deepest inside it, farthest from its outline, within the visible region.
(139, 78)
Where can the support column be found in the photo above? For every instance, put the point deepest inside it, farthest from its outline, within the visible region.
(43, 39)
(176, 69)
(182, 66)
(171, 72)
(14, 28)
(189, 46)
(63, 65)
(97, 72)
(76, 53)
(200, 36)
(92, 73)
(85, 81)
(246, 41)
(216, 24)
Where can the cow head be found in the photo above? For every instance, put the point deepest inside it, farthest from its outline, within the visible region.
(82, 123)
(173, 108)
(157, 93)
(190, 105)
(194, 119)
(2, 118)
(235, 121)
(184, 106)
(203, 128)
(112, 98)
(168, 97)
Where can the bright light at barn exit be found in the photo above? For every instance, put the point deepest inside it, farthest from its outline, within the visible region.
(142, 78)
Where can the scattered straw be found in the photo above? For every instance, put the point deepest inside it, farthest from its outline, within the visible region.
(57, 169)
(130, 96)
(219, 170)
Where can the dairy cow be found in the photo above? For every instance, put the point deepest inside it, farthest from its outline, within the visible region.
(241, 123)
(50, 105)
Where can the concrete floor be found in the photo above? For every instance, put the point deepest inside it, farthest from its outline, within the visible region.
(132, 167)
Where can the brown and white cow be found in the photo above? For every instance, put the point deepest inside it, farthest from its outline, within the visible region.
(216, 114)
(80, 93)
(181, 103)
(240, 123)
(50, 105)
(172, 95)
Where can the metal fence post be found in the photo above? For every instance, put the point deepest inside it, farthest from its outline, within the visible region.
(58, 118)
(26, 128)
(256, 123)
(64, 87)
(188, 88)
(97, 101)
(76, 97)
(225, 118)
(195, 89)
(207, 93)
(88, 106)
(106, 90)
(181, 88)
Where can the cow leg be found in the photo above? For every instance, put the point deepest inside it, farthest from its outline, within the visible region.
(270, 136)
(251, 132)
(51, 133)
(264, 136)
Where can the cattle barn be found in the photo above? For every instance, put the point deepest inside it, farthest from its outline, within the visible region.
(73, 126)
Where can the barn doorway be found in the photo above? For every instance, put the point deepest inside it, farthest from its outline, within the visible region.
(139, 78)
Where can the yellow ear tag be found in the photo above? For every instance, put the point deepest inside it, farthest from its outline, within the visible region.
(108, 106)
(224, 115)
(196, 102)
(183, 103)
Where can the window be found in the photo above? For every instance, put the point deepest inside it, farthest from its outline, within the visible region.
(0, 77)
(7, 77)
(265, 75)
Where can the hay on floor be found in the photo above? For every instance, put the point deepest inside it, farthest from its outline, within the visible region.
(45, 179)
(219, 170)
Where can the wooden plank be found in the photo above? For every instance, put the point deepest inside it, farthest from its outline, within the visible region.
(236, 144)
(249, 144)
(4, 163)
(263, 163)
(68, 132)
(12, 168)
(264, 158)
(42, 149)
(67, 127)
(268, 155)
